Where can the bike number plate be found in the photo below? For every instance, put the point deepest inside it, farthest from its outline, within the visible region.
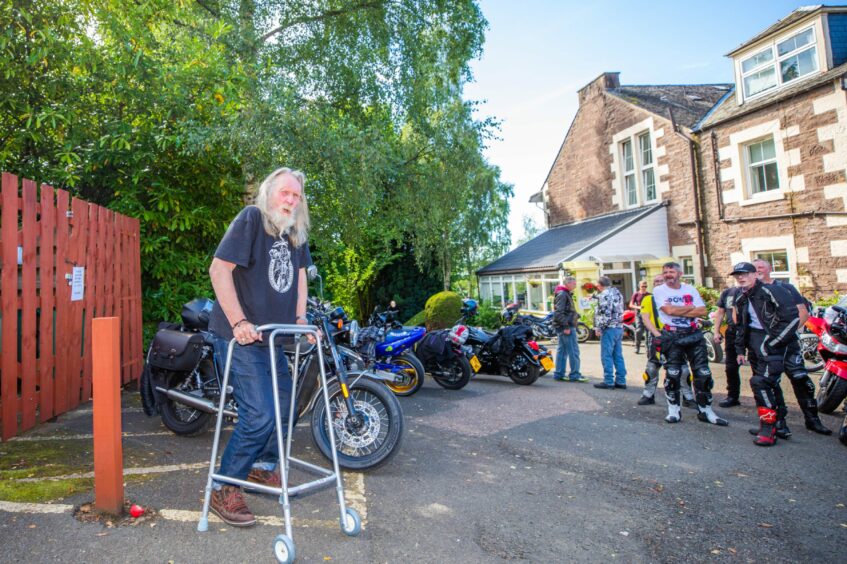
(547, 363)
(475, 363)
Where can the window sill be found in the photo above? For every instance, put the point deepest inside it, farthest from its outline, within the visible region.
(763, 197)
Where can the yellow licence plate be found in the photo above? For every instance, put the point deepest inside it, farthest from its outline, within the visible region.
(475, 363)
(547, 363)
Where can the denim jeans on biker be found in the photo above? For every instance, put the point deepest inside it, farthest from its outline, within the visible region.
(253, 442)
(567, 353)
(611, 354)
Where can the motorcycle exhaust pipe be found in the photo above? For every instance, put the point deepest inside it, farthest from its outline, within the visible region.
(202, 404)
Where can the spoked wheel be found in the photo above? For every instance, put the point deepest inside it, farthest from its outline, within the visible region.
(412, 375)
(180, 418)
(583, 333)
(811, 356)
(351, 524)
(714, 352)
(284, 549)
(369, 437)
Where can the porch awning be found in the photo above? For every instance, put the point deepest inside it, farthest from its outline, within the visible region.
(641, 230)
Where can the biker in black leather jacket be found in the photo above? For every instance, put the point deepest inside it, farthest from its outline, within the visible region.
(767, 322)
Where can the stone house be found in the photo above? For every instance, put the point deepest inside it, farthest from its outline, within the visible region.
(774, 155)
(707, 174)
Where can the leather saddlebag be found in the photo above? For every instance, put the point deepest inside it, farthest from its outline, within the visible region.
(179, 351)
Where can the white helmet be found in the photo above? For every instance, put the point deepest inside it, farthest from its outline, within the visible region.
(458, 335)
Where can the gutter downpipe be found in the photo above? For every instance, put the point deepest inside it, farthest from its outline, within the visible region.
(716, 164)
(695, 190)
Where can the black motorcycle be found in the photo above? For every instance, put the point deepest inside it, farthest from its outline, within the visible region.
(510, 351)
(182, 376)
(445, 358)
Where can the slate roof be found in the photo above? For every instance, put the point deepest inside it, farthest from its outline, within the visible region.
(792, 18)
(689, 102)
(548, 250)
(729, 108)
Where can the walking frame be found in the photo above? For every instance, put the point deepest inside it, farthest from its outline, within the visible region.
(349, 519)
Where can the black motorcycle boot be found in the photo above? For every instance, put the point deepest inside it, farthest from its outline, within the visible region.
(813, 421)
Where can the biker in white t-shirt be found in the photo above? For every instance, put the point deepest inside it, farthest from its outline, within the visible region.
(680, 306)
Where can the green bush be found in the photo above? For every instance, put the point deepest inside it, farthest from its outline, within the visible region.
(829, 300)
(418, 319)
(488, 316)
(442, 310)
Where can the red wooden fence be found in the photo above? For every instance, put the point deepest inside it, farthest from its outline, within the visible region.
(45, 338)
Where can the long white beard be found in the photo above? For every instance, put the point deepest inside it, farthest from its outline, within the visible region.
(282, 221)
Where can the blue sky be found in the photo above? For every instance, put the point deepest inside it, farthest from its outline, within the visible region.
(538, 53)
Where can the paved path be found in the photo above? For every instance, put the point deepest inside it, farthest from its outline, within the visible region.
(495, 472)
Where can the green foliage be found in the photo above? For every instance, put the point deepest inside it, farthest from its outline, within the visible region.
(417, 319)
(406, 284)
(828, 300)
(587, 315)
(442, 310)
(710, 296)
(166, 111)
(488, 316)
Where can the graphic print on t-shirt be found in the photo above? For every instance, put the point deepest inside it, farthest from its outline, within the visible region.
(280, 271)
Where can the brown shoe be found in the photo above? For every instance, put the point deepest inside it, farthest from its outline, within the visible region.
(229, 505)
(268, 478)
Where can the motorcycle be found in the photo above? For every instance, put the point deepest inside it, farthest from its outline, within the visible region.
(444, 357)
(831, 329)
(542, 328)
(387, 346)
(182, 376)
(509, 352)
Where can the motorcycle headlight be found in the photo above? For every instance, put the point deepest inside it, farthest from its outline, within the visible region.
(831, 344)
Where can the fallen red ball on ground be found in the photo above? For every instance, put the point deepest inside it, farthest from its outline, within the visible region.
(136, 511)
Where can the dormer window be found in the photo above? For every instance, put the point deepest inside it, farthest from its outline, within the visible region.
(780, 63)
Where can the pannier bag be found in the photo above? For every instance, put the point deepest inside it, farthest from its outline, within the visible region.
(175, 350)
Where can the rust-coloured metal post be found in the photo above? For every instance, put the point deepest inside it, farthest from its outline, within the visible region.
(106, 380)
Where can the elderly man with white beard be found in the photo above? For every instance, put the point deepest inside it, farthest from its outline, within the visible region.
(259, 277)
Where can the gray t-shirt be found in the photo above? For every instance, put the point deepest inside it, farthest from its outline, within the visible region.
(266, 273)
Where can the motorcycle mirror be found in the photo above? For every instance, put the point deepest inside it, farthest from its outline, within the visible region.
(312, 272)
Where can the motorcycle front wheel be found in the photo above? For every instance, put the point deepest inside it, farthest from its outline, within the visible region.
(412, 374)
(811, 356)
(714, 351)
(365, 444)
(583, 333)
(831, 392)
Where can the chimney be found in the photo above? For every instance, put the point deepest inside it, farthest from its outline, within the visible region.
(606, 81)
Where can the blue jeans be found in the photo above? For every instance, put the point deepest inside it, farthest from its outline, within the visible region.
(611, 354)
(567, 352)
(253, 442)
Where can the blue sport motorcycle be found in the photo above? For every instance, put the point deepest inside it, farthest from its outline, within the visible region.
(386, 346)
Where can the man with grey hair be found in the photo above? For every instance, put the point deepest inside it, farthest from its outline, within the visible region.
(680, 306)
(259, 277)
(564, 320)
(608, 325)
(795, 368)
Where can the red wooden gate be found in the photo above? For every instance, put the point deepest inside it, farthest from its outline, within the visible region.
(45, 336)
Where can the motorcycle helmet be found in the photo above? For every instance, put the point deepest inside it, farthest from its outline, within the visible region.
(469, 307)
(458, 335)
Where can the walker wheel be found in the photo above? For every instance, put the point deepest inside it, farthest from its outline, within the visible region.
(284, 549)
(352, 524)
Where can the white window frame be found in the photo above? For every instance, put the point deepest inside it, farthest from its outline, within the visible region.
(749, 164)
(776, 61)
(633, 178)
(785, 275)
(684, 262)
